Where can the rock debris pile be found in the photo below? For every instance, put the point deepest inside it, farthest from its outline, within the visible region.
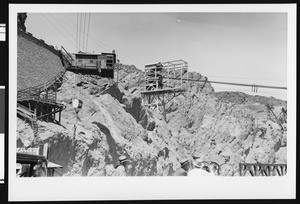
(223, 127)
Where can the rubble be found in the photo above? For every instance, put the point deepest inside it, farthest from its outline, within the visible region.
(223, 127)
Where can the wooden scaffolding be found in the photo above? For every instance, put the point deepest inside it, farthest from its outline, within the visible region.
(39, 102)
(160, 88)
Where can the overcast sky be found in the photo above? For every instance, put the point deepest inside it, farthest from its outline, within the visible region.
(231, 47)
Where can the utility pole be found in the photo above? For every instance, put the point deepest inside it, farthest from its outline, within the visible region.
(118, 71)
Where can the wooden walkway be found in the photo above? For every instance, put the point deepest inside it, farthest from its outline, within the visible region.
(39, 102)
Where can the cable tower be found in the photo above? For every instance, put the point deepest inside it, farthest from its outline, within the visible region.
(158, 92)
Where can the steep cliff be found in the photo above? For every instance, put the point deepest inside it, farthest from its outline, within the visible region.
(224, 127)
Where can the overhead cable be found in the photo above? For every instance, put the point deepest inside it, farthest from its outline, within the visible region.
(83, 40)
(88, 29)
(248, 78)
(254, 86)
(58, 30)
(79, 32)
(63, 27)
(97, 41)
(76, 31)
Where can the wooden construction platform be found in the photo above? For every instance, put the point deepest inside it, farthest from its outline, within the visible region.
(158, 98)
(43, 110)
(39, 102)
(158, 92)
(40, 74)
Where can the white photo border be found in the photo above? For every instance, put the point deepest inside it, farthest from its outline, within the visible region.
(148, 188)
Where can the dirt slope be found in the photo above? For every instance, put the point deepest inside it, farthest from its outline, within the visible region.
(221, 127)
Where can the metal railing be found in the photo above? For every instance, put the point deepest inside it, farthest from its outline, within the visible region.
(34, 93)
(66, 58)
(256, 169)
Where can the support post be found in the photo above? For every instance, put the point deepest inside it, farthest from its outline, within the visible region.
(181, 78)
(47, 109)
(145, 80)
(168, 77)
(59, 115)
(187, 77)
(157, 102)
(55, 91)
(164, 108)
(156, 81)
(41, 112)
(118, 71)
(35, 110)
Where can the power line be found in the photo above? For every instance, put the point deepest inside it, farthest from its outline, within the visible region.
(87, 33)
(97, 41)
(230, 83)
(84, 32)
(63, 27)
(277, 80)
(260, 93)
(79, 32)
(76, 31)
(72, 25)
(58, 30)
(244, 89)
(254, 86)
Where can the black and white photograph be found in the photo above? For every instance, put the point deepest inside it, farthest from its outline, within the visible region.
(2, 125)
(2, 104)
(2, 32)
(153, 96)
(2, 149)
(2, 158)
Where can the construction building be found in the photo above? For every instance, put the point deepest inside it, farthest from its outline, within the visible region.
(102, 64)
(160, 88)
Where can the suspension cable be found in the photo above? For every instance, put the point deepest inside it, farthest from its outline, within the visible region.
(76, 32)
(59, 30)
(83, 40)
(230, 83)
(98, 42)
(79, 32)
(87, 35)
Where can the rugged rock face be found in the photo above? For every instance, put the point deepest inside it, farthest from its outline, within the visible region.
(226, 127)
(21, 21)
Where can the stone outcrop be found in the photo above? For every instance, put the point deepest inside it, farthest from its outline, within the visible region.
(21, 21)
(225, 127)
